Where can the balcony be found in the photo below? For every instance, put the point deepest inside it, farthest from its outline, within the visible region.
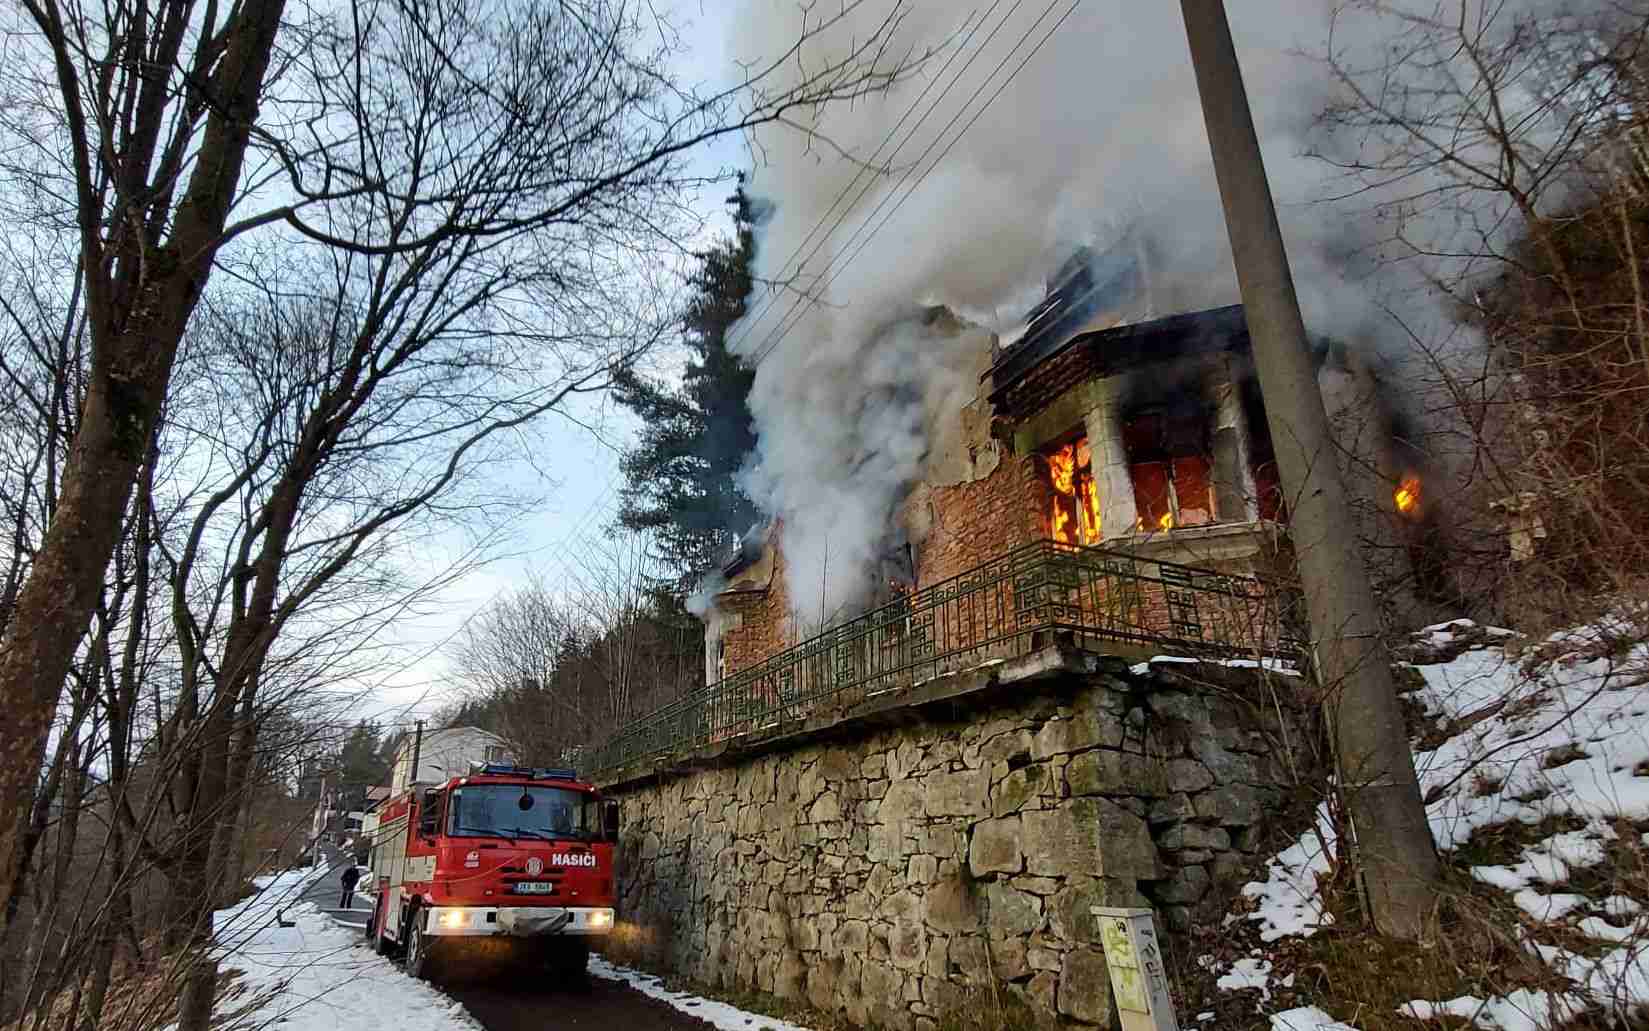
(1089, 598)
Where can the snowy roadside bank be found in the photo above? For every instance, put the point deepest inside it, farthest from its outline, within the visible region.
(311, 976)
(315, 975)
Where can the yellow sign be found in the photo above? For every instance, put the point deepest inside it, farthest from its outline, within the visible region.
(1119, 949)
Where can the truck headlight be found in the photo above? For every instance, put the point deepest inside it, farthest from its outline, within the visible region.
(601, 918)
(455, 918)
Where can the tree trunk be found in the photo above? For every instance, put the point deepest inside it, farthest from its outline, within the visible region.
(138, 302)
(57, 601)
(33, 832)
(243, 787)
(108, 929)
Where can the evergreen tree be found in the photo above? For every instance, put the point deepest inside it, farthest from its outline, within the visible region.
(680, 475)
(361, 762)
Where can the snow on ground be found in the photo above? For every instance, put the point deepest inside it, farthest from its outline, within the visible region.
(1250, 972)
(1571, 734)
(1306, 1018)
(1278, 666)
(314, 976)
(719, 1014)
(1567, 739)
(1287, 902)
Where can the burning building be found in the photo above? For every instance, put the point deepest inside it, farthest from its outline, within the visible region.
(1149, 436)
(1143, 440)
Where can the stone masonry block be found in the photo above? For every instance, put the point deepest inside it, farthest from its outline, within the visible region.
(1085, 987)
(1108, 772)
(957, 794)
(949, 908)
(1088, 836)
(1012, 912)
(1018, 788)
(1189, 884)
(1086, 728)
(1231, 805)
(995, 847)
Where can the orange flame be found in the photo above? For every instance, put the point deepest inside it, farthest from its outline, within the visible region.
(1407, 495)
(1090, 512)
(1164, 522)
(1062, 468)
(1061, 524)
(1074, 509)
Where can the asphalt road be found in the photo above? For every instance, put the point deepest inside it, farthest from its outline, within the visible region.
(507, 1007)
(506, 1004)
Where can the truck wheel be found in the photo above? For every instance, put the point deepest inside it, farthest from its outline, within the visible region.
(421, 961)
(380, 942)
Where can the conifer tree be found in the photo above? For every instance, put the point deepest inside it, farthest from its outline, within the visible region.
(681, 474)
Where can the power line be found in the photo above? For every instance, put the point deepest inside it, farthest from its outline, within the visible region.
(749, 324)
(787, 324)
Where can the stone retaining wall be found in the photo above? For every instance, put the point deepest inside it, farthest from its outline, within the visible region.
(893, 873)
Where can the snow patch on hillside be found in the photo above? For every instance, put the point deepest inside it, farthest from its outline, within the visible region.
(1558, 742)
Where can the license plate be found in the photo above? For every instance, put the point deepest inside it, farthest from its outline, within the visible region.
(535, 888)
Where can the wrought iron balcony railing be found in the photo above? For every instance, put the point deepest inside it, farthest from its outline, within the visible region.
(1097, 599)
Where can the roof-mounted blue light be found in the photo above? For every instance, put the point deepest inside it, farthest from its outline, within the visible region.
(530, 772)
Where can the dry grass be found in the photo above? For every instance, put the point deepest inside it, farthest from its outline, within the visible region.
(1478, 946)
(1363, 979)
(146, 999)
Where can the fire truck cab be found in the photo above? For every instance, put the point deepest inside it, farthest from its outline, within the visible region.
(507, 862)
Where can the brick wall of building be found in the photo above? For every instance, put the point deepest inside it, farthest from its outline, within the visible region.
(969, 524)
(762, 626)
(961, 526)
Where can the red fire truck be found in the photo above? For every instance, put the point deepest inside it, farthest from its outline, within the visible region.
(507, 862)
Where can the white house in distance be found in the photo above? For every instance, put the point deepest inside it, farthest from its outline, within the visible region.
(443, 754)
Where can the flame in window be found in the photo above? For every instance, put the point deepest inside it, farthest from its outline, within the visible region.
(1062, 468)
(1407, 495)
(1164, 522)
(1073, 509)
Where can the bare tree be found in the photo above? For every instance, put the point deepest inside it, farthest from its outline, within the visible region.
(444, 124)
(558, 663)
(1502, 146)
(519, 665)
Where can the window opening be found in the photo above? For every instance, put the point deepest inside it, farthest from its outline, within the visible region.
(1073, 507)
(1171, 470)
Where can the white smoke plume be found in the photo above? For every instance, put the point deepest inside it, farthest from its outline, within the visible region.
(1100, 131)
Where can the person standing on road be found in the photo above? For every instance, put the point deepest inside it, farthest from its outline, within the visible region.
(352, 873)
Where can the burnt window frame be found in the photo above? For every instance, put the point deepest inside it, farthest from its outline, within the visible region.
(1044, 456)
(1183, 434)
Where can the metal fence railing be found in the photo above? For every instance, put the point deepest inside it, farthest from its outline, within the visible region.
(996, 611)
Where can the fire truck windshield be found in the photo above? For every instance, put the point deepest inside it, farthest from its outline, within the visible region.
(513, 811)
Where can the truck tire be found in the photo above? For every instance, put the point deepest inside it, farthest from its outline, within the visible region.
(421, 960)
(380, 942)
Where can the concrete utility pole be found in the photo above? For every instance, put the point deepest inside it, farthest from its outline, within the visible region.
(417, 752)
(1394, 845)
